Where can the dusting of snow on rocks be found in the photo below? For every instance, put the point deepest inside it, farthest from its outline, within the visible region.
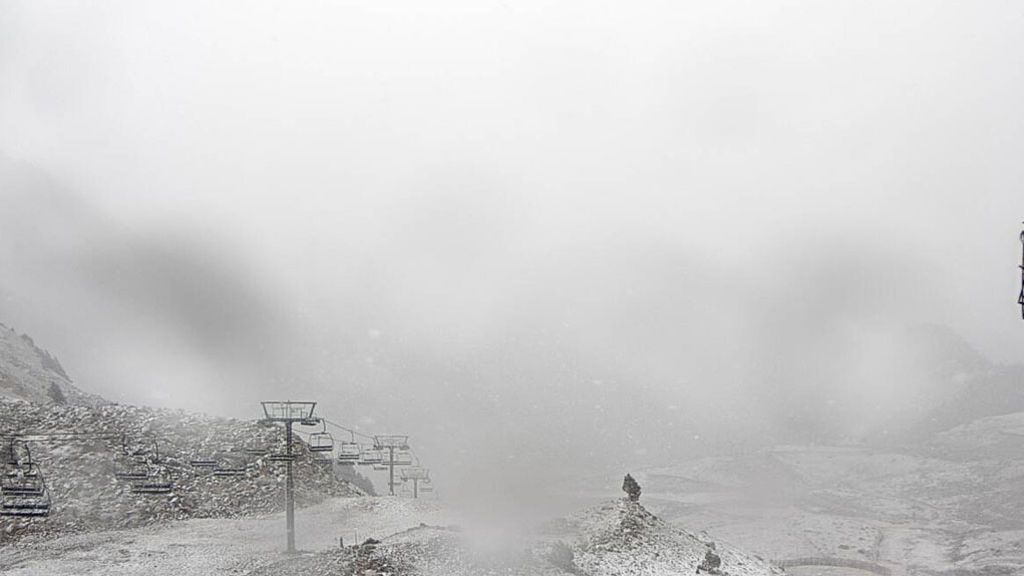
(622, 538)
(79, 448)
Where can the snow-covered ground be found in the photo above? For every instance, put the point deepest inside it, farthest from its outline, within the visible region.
(216, 546)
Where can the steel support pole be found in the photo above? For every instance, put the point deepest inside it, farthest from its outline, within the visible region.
(415, 488)
(290, 491)
(391, 469)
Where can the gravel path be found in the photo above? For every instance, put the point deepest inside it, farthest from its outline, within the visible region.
(216, 546)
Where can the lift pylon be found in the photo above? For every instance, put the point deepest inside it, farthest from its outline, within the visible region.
(288, 413)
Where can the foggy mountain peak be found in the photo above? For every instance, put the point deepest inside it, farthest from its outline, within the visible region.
(28, 372)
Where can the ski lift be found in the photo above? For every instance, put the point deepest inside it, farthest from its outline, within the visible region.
(132, 469)
(145, 477)
(224, 471)
(27, 482)
(282, 457)
(380, 467)
(203, 464)
(23, 490)
(403, 458)
(370, 456)
(254, 450)
(348, 453)
(153, 486)
(321, 441)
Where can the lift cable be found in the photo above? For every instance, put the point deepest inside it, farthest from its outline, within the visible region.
(349, 430)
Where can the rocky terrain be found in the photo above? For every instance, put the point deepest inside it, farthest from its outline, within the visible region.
(950, 506)
(79, 449)
(28, 372)
(618, 537)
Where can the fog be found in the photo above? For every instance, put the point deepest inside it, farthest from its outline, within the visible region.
(527, 235)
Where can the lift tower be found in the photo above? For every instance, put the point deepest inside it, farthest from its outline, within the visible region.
(391, 442)
(415, 473)
(288, 413)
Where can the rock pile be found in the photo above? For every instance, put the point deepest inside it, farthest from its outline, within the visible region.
(622, 538)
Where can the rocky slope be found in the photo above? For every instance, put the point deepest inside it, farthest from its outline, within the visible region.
(79, 449)
(28, 372)
(623, 538)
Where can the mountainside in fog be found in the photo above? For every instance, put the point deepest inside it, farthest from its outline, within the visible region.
(28, 372)
(948, 384)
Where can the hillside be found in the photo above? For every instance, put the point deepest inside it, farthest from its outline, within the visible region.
(28, 372)
(942, 383)
(79, 449)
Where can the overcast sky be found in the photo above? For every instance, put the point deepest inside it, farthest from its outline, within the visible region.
(530, 228)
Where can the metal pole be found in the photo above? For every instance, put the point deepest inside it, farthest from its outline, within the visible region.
(415, 488)
(391, 469)
(290, 491)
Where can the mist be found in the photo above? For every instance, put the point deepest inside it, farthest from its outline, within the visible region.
(531, 237)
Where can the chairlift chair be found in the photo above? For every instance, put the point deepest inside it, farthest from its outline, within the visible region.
(24, 493)
(348, 453)
(157, 481)
(27, 482)
(370, 456)
(321, 441)
(12, 505)
(25, 507)
(282, 457)
(229, 471)
(203, 463)
(134, 469)
(153, 487)
(403, 458)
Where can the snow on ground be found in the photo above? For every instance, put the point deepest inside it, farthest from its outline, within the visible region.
(417, 537)
(622, 538)
(215, 546)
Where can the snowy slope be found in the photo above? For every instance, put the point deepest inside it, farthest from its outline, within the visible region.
(30, 373)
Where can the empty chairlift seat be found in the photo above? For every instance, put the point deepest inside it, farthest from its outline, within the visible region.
(370, 456)
(403, 458)
(23, 491)
(348, 453)
(157, 482)
(153, 486)
(321, 441)
(134, 469)
(255, 450)
(229, 470)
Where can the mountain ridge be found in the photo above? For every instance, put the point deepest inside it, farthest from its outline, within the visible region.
(31, 373)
